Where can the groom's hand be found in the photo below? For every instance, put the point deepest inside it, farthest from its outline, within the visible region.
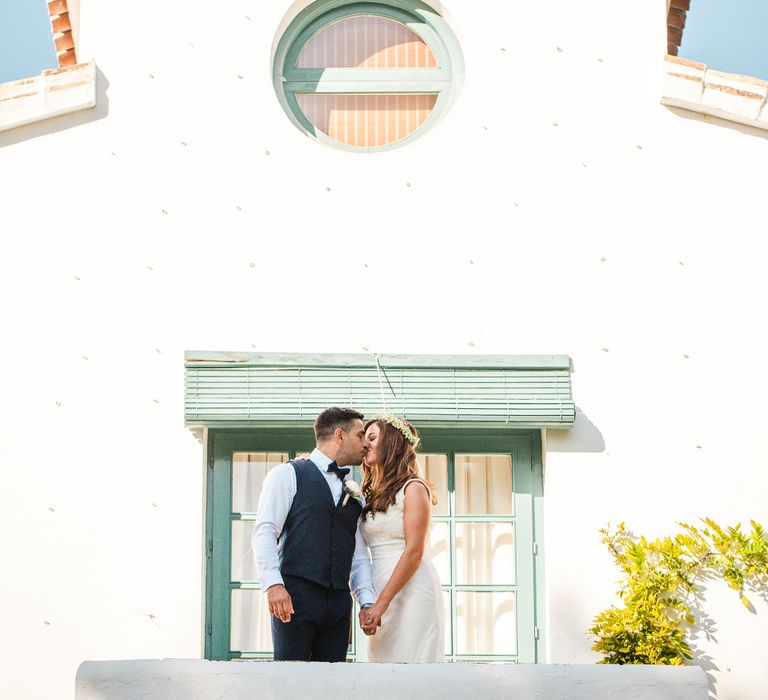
(280, 603)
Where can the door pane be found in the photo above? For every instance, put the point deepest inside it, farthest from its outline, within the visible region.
(248, 472)
(440, 551)
(484, 484)
(243, 563)
(485, 553)
(486, 623)
(435, 470)
(447, 617)
(251, 626)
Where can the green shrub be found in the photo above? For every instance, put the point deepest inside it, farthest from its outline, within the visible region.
(660, 587)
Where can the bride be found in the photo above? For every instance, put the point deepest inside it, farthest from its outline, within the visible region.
(405, 624)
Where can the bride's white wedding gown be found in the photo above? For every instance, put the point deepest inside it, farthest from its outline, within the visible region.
(412, 629)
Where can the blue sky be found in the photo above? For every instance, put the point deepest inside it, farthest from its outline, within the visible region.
(26, 39)
(729, 35)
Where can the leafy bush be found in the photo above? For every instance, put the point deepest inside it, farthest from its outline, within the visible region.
(660, 587)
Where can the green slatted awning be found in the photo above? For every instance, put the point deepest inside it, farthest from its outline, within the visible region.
(229, 389)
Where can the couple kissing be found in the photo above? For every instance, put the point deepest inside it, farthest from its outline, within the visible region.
(318, 536)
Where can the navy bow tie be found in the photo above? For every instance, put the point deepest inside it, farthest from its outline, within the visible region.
(341, 472)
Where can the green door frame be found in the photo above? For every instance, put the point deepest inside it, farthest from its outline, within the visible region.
(525, 447)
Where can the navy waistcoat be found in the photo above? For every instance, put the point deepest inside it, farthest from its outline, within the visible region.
(318, 538)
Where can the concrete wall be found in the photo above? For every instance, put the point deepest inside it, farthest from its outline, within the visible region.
(558, 208)
(200, 680)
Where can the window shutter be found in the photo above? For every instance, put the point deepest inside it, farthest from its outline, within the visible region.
(231, 389)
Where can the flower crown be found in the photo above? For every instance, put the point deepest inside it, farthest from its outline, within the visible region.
(397, 423)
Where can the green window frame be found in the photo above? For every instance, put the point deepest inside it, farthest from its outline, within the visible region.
(523, 445)
(443, 81)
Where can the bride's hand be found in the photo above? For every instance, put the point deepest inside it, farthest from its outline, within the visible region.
(370, 618)
(363, 619)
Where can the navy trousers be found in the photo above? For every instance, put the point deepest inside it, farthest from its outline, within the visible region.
(319, 628)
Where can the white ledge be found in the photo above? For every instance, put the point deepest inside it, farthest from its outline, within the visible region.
(238, 680)
(50, 94)
(737, 98)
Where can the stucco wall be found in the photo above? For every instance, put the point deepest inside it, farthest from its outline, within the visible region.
(558, 208)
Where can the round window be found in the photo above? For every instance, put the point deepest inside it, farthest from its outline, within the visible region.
(366, 75)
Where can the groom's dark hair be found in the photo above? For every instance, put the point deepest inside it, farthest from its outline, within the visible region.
(332, 418)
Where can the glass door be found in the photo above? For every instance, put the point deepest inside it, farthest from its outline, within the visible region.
(482, 541)
(238, 624)
(482, 544)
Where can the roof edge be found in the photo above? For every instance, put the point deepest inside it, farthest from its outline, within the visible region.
(206, 358)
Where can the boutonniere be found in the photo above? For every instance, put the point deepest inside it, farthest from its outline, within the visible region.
(352, 488)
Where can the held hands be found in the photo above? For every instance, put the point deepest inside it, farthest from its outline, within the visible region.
(370, 618)
(280, 603)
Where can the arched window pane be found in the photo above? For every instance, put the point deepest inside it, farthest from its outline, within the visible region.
(366, 121)
(366, 41)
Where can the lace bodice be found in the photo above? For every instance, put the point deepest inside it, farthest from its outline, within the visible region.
(384, 532)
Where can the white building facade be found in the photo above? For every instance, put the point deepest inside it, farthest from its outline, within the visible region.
(543, 212)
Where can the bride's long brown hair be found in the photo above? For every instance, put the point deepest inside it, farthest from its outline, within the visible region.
(395, 464)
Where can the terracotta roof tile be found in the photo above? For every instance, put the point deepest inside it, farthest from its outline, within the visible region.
(67, 59)
(57, 7)
(62, 32)
(676, 24)
(61, 24)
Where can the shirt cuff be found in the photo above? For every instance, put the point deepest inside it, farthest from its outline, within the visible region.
(366, 595)
(271, 579)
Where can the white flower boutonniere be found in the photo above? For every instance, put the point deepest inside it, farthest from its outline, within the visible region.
(352, 488)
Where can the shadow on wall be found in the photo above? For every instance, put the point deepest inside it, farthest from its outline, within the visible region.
(65, 121)
(569, 633)
(718, 121)
(704, 625)
(583, 437)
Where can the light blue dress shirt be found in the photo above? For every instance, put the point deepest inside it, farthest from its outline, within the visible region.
(274, 504)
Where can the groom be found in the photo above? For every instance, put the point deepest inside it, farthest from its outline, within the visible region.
(306, 544)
